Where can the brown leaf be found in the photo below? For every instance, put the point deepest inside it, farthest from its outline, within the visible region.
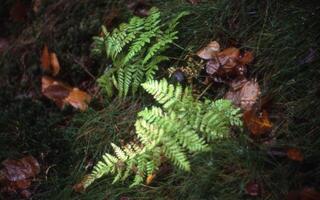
(83, 184)
(78, 99)
(15, 170)
(18, 12)
(246, 58)
(249, 94)
(253, 188)
(234, 96)
(257, 124)
(54, 63)
(63, 94)
(231, 52)
(150, 178)
(45, 59)
(212, 66)
(294, 154)
(210, 51)
(55, 90)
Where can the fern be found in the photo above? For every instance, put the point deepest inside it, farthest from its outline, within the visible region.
(134, 49)
(182, 125)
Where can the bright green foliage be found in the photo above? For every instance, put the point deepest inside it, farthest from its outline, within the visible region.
(182, 126)
(135, 49)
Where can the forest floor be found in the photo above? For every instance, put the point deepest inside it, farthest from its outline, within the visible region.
(284, 39)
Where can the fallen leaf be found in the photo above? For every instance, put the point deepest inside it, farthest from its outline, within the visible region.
(257, 124)
(212, 66)
(18, 12)
(83, 184)
(62, 94)
(253, 188)
(210, 51)
(78, 99)
(294, 154)
(246, 58)
(54, 62)
(150, 178)
(231, 52)
(249, 94)
(17, 174)
(243, 93)
(45, 59)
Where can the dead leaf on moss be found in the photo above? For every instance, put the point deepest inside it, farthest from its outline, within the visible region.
(17, 174)
(210, 51)
(54, 62)
(62, 94)
(49, 61)
(150, 178)
(249, 94)
(246, 58)
(45, 58)
(294, 154)
(257, 124)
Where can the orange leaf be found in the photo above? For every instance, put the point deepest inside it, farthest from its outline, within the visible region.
(294, 154)
(246, 58)
(150, 178)
(45, 59)
(54, 62)
(78, 99)
(257, 124)
(231, 52)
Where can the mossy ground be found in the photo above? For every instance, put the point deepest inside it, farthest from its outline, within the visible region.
(281, 35)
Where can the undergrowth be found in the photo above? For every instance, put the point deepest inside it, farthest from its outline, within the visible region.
(282, 36)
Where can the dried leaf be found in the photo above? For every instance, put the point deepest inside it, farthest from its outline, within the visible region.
(257, 124)
(83, 184)
(234, 96)
(55, 90)
(54, 63)
(212, 66)
(45, 59)
(18, 12)
(249, 94)
(210, 51)
(246, 58)
(150, 178)
(63, 94)
(253, 188)
(78, 99)
(15, 170)
(231, 52)
(294, 154)
(17, 174)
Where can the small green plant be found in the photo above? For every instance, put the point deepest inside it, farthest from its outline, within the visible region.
(182, 125)
(135, 50)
